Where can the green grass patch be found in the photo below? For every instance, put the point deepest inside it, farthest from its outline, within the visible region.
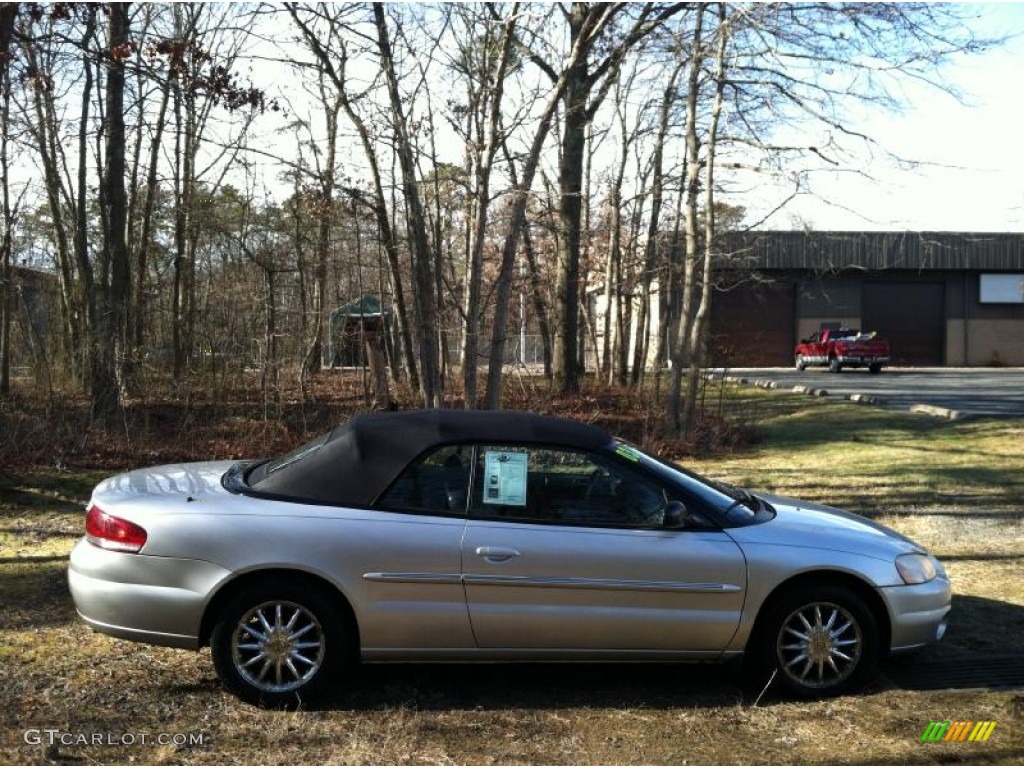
(871, 460)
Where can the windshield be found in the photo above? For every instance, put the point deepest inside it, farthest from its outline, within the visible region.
(736, 504)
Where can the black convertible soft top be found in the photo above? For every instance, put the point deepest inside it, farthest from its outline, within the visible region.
(363, 456)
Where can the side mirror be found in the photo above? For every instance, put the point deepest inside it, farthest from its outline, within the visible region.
(675, 516)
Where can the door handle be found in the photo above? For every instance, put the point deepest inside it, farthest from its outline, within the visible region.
(497, 554)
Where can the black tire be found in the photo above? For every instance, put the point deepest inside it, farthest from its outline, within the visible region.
(800, 364)
(837, 624)
(875, 368)
(834, 366)
(307, 635)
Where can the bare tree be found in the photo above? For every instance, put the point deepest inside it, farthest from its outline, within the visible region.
(485, 85)
(330, 51)
(424, 295)
(590, 28)
(109, 335)
(588, 80)
(8, 16)
(651, 260)
(331, 106)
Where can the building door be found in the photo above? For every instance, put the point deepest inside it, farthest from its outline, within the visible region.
(753, 324)
(912, 316)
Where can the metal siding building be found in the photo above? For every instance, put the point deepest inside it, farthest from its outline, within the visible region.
(924, 291)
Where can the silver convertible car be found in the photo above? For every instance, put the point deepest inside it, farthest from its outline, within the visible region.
(483, 536)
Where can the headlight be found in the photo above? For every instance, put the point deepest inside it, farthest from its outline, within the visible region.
(915, 568)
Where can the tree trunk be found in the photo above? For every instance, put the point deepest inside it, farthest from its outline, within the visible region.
(483, 164)
(517, 216)
(180, 223)
(570, 209)
(75, 306)
(615, 295)
(681, 349)
(270, 377)
(186, 232)
(378, 370)
(698, 335)
(8, 15)
(326, 207)
(110, 333)
(424, 299)
(99, 365)
(146, 234)
(540, 308)
(653, 230)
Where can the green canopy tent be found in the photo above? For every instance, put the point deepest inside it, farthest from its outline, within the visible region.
(349, 327)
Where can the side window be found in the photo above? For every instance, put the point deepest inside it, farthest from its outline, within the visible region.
(435, 482)
(570, 487)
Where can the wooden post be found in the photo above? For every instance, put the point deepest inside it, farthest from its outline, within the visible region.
(378, 364)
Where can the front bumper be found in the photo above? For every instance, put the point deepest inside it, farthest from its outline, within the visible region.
(157, 600)
(856, 360)
(918, 613)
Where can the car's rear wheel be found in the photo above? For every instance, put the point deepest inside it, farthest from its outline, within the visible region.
(818, 641)
(875, 368)
(280, 646)
(834, 365)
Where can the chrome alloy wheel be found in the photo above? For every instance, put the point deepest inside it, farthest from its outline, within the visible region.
(819, 645)
(278, 646)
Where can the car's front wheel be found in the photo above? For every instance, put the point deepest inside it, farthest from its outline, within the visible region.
(819, 641)
(799, 363)
(279, 646)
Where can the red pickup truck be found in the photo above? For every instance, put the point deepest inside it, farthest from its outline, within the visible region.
(843, 348)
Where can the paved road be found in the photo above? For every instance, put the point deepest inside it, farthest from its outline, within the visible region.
(981, 391)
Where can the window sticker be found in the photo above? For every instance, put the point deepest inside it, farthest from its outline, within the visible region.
(505, 478)
(628, 452)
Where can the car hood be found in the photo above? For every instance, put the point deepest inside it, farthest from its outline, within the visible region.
(803, 524)
(198, 480)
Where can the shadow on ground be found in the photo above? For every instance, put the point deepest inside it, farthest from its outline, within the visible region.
(984, 649)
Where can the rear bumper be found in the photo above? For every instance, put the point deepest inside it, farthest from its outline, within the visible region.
(156, 600)
(918, 613)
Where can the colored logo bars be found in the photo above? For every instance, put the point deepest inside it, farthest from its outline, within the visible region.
(958, 730)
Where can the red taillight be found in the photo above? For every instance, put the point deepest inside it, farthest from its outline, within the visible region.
(111, 532)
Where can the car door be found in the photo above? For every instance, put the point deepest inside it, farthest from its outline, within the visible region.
(564, 550)
(409, 560)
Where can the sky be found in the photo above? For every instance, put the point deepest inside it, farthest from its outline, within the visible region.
(968, 174)
(971, 154)
(963, 166)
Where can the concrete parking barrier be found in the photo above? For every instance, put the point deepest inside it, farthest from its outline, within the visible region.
(935, 410)
(866, 399)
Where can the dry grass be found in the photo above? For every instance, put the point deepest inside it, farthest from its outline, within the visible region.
(874, 461)
(55, 673)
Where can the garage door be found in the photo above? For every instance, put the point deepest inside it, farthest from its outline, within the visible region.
(912, 316)
(753, 324)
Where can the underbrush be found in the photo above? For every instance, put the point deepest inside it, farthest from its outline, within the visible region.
(195, 423)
